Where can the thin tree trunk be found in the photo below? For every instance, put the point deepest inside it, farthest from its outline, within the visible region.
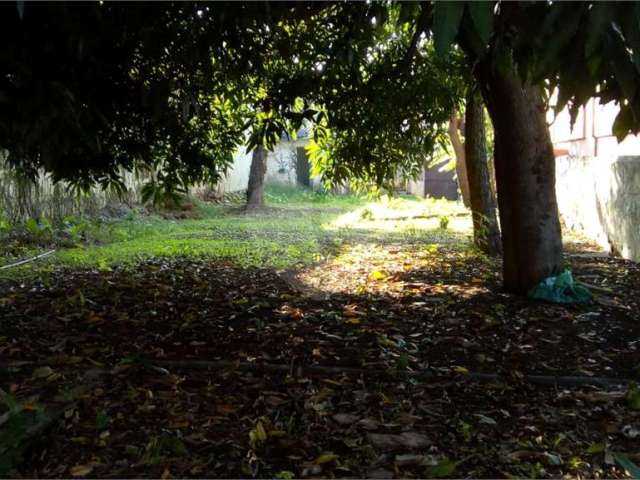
(458, 149)
(525, 176)
(255, 188)
(486, 234)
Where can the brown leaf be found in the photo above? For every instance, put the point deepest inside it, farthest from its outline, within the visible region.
(42, 372)
(400, 441)
(345, 418)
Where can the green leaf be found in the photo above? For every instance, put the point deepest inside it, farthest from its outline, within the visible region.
(407, 11)
(623, 67)
(627, 464)
(560, 30)
(597, 448)
(446, 22)
(482, 16)
(444, 468)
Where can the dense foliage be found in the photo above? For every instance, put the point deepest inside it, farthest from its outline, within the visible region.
(89, 88)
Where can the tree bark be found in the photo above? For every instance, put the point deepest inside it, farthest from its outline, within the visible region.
(525, 177)
(486, 234)
(458, 149)
(255, 188)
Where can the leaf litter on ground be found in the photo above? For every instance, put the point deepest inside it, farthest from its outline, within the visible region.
(427, 309)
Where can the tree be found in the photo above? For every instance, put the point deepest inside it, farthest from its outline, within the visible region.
(456, 125)
(486, 233)
(518, 52)
(255, 187)
(89, 89)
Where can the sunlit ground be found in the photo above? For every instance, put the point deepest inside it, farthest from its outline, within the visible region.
(406, 215)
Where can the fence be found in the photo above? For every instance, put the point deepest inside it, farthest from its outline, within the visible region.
(22, 198)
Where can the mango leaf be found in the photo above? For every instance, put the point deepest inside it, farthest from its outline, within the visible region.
(597, 22)
(596, 448)
(485, 419)
(557, 38)
(42, 372)
(623, 68)
(482, 16)
(446, 22)
(407, 11)
(257, 435)
(622, 460)
(622, 124)
(378, 275)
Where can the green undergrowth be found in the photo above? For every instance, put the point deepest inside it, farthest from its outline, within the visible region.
(297, 228)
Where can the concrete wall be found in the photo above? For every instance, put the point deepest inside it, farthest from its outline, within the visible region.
(600, 197)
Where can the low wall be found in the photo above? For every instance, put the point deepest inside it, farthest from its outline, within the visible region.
(600, 198)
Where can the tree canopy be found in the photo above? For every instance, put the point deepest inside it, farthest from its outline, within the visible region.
(87, 88)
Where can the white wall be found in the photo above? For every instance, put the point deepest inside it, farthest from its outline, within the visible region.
(237, 176)
(281, 167)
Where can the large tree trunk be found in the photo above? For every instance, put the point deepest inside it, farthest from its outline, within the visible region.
(255, 188)
(486, 234)
(525, 177)
(458, 149)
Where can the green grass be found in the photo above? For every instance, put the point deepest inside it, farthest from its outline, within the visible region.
(299, 227)
(287, 196)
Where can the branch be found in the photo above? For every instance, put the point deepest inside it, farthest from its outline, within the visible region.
(562, 380)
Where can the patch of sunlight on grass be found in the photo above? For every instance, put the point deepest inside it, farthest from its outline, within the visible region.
(408, 215)
(289, 196)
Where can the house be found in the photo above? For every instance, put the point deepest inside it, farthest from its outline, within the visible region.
(598, 179)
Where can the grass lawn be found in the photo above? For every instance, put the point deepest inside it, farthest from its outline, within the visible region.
(295, 229)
